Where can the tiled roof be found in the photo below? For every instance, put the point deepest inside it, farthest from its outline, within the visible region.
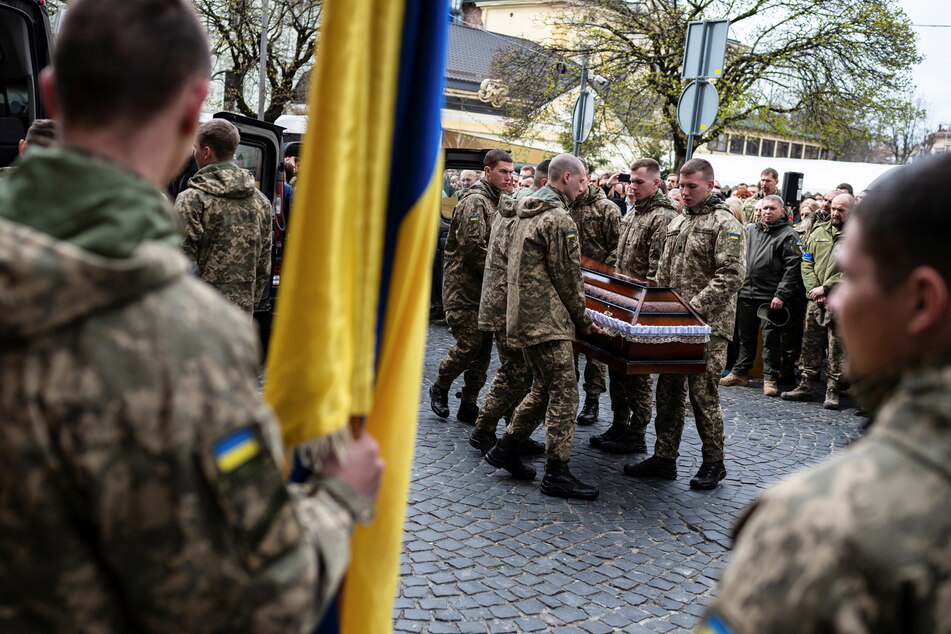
(471, 51)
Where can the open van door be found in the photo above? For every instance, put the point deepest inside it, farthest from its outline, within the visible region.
(25, 50)
(261, 153)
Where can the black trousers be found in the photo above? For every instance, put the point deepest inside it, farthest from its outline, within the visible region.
(747, 326)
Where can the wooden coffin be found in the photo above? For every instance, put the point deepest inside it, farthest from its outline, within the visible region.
(650, 329)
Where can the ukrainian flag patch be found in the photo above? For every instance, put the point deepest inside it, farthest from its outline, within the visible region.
(473, 217)
(713, 625)
(808, 257)
(570, 233)
(236, 449)
(734, 236)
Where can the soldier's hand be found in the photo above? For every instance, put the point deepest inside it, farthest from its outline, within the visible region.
(776, 304)
(591, 329)
(817, 293)
(362, 468)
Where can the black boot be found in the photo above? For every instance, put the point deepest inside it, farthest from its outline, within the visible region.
(531, 448)
(559, 483)
(653, 467)
(618, 426)
(439, 401)
(709, 476)
(504, 455)
(482, 440)
(589, 413)
(468, 413)
(627, 442)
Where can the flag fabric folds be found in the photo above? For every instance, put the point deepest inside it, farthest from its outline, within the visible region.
(350, 326)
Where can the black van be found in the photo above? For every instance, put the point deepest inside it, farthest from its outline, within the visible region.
(25, 49)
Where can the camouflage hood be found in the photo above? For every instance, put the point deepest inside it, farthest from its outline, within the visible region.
(47, 283)
(507, 206)
(542, 200)
(587, 198)
(483, 188)
(225, 180)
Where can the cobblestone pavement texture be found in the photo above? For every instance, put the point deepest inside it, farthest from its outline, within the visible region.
(486, 553)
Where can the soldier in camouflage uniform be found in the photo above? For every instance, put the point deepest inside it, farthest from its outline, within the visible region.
(768, 180)
(643, 232)
(541, 179)
(466, 248)
(545, 308)
(42, 133)
(819, 275)
(704, 260)
(139, 480)
(599, 222)
(226, 220)
(862, 542)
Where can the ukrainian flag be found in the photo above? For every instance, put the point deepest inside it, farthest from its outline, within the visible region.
(350, 325)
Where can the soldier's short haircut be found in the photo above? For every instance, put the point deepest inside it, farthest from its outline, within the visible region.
(846, 188)
(696, 165)
(541, 170)
(769, 171)
(774, 198)
(493, 157)
(221, 136)
(530, 168)
(649, 164)
(126, 60)
(42, 132)
(918, 235)
(565, 164)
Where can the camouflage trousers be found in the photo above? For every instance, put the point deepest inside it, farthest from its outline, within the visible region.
(705, 400)
(509, 385)
(747, 327)
(553, 398)
(632, 399)
(469, 356)
(816, 341)
(594, 385)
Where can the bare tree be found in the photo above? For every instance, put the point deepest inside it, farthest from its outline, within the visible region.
(904, 131)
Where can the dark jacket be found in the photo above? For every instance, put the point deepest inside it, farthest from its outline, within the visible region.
(772, 261)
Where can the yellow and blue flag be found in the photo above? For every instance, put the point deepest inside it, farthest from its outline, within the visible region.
(350, 325)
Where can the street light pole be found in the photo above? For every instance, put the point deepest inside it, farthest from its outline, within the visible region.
(584, 81)
(262, 79)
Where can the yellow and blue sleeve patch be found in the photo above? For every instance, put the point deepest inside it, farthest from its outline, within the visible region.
(236, 449)
(713, 625)
(734, 236)
(473, 217)
(808, 257)
(570, 233)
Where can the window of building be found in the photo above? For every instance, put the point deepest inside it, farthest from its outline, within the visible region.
(766, 149)
(811, 152)
(752, 146)
(782, 149)
(736, 145)
(795, 150)
(718, 144)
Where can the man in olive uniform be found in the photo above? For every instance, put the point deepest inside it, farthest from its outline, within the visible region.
(599, 224)
(643, 232)
(466, 247)
(820, 274)
(768, 180)
(704, 260)
(138, 464)
(545, 310)
(860, 543)
(541, 179)
(226, 220)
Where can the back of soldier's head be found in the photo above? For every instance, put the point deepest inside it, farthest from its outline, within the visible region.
(221, 136)
(126, 60)
(42, 133)
(541, 170)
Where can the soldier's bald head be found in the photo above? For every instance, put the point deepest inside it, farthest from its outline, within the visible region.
(565, 164)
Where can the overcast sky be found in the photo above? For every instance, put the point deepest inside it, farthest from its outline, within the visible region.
(933, 75)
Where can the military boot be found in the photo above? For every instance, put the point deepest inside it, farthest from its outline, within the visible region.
(439, 401)
(770, 388)
(589, 413)
(482, 440)
(653, 467)
(625, 442)
(504, 455)
(468, 413)
(709, 476)
(803, 392)
(731, 380)
(558, 482)
(618, 426)
(531, 448)
(832, 397)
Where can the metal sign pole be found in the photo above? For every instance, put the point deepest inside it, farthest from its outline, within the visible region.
(689, 146)
(584, 80)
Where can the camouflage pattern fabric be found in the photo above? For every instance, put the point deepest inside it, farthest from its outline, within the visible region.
(594, 376)
(6, 171)
(819, 341)
(522, 193)
(861, 542)
(139, 480)
(599, 223)
(705, 400)
(643, 234)
(469, 356)
(704, 259)
(553, 398)
(748, 325)
(632, 399)
(227, 227)
(495, 285)
(545, 289)
(509, 386)
(467, 245)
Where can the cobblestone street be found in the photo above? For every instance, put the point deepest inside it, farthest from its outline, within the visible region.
(485, 553)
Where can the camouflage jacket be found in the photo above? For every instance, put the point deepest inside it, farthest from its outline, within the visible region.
(494, 283)
(139, 487)
(818, 259)
(599, 223)
(805, 226)
(227, 227)
(545, 299)
(522, 193)
(643, 233)
(467, 245)
(859, 543)
(704, 260)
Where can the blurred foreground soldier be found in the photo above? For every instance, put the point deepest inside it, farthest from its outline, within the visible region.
(466, 248)
(139, 486)
(820, 274)
(643, 233)
(42, 133)
(545, 310)
(540, 180)
(226, 220)
(772, 280)
(599, 223)
(704, 260)
(860, 543)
